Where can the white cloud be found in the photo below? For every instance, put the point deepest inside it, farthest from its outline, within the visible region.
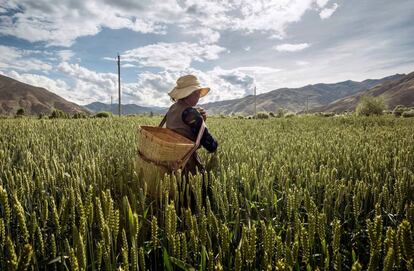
(302, 63)
(272, 16)
(321, 3)
(12, 58)
(287, 47)
(172, 56)
(62, 22)
(258, 69)
(128, 65)
(327, 12)
(106, 81)
(205, 35)
(260, 76)
(248, 16)
(152, 88)
(65, 55)
(227, 84)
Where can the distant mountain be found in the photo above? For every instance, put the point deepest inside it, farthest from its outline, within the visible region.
(126, 108)
(295, 99)
(34, 100)
(400, 91)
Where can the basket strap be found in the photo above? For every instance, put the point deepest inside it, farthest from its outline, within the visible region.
(163, 121)
(184, 160)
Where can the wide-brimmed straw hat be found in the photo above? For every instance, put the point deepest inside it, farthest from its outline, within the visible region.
(186, 85)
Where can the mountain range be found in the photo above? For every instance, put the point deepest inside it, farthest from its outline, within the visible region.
(336, 97)
(34, 100)
(395, 92)
(126, 108)
(296, 99)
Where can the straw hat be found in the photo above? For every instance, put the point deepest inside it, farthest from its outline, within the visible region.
(186, 85)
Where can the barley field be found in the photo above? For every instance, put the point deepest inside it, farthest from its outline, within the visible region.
(300, 193)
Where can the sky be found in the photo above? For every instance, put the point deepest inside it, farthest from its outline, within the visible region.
(70, 46)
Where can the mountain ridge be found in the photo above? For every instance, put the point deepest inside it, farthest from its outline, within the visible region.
(312, 98)
(295, 99)
(395, 92)
(126, 108)
(34, 100)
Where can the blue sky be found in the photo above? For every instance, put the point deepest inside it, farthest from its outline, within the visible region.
(69, 46)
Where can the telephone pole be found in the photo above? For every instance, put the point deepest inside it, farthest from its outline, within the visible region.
(111, 104)
(119, 85)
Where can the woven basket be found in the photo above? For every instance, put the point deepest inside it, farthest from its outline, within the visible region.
(159, 150)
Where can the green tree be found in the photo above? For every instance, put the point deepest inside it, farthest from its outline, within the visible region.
(20, 112)
(399, 110)
(58, 114)
(262, 115)
(103, 115)
(408, 114)
(369, 105)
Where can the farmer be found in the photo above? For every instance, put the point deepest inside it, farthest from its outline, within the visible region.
(185, 119)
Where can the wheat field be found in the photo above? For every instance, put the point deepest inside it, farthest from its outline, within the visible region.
(300, 193)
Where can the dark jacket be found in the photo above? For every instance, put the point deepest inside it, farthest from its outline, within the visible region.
(187, 121)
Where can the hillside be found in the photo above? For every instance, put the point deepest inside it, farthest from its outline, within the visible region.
(34, 100)
(295, 99)
(126, 108)
(400, 91)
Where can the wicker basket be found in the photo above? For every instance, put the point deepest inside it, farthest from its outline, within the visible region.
(160, 151)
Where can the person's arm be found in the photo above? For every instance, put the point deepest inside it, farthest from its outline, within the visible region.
(194, 119)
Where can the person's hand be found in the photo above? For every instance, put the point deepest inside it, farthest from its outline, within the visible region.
(202, 112)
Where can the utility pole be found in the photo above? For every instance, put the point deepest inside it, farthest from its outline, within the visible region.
(119, 85)
(111, 105)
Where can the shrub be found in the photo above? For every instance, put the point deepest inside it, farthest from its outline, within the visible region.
(280, 113)
(290, 115)
(369, 105)
(399, 110)
(58, 114)
(80, 115)
(408, 114)
(262, 115)
(20, 112)
(271, 114)
(103, 115)
(328, 114)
